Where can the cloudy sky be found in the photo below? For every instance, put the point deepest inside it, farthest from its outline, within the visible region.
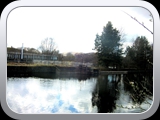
(73, 28)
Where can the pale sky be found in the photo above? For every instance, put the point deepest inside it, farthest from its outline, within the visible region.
(73, 29)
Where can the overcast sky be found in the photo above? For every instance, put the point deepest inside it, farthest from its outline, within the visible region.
(73, 28)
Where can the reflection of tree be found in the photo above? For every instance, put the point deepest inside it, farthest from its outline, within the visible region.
(66, 76)
(140, 86)
(83, 77)
(105, 94)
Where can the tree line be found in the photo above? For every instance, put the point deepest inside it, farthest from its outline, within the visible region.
(111, 55)
(109, 51)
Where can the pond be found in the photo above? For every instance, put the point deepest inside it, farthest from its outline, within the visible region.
(69, 93)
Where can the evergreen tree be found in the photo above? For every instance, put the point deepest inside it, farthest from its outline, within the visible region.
(108, 47)
(141, 53)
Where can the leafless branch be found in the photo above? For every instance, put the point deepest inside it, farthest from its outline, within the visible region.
(139, 22)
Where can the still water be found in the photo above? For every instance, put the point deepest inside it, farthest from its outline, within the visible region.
(77, 94)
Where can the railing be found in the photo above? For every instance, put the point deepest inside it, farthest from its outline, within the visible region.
(30, 56)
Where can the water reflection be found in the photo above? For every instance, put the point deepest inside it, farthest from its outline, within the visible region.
(140, 86)
(39, 95)
(105, 93)
(74, 93)
(53, 76)
(123, 93)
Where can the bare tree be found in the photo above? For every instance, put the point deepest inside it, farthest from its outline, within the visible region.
(122, 35)
(48, 46)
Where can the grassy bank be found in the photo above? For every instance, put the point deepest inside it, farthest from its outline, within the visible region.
(33, 64)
